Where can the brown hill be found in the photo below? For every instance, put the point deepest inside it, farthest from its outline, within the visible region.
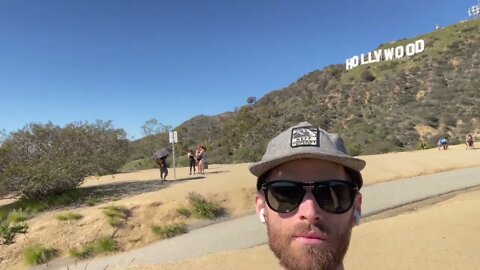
(396, 105)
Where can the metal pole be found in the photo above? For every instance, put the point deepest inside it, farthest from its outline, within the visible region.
(174, 171)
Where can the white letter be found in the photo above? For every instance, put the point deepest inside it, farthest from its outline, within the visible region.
(399, 52)
(351, 63)
(419, 46)
(410, 49)
(378, 55)
(388, 53)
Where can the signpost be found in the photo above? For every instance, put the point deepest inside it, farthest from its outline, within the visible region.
(172, 136)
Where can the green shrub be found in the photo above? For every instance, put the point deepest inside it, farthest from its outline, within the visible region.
(105, 244)
(101, 245)
(84, 252)
(367, 76)
(42, 160)
(68, 216)
(93, 200)
(184, 212)
(116, 215)
(17, 216)
(9, 229)
(169, 231)
(421, 145)
(36, 254)
(203, 208)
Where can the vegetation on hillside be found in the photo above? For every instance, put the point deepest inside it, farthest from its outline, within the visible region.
(42, 160)
(388, 106)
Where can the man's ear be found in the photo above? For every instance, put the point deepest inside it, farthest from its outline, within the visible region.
(357, 208)
(358, 201)
(259, 203)
(260, 207)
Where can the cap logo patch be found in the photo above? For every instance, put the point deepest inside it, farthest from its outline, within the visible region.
(304, 136)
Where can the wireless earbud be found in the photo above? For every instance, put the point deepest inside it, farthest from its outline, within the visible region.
(356, 217)
(261, 215)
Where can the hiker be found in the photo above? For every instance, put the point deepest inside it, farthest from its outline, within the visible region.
(200, 156)
(469, 142)
(191, 160)
(308, 197)
(162, 162)
(443, 143)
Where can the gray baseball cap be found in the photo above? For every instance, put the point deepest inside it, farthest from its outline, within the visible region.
(306, 141)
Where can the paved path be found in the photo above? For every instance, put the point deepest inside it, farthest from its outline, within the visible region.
(247, 231)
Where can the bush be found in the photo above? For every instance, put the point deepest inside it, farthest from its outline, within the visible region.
(82, 253)
(169, 231)
(9, 229)
(204, 208)
(36, 254)
(42, 160)
(367, 76)
(101, 245)
(184, 212)
(116, 215)
(68, 216)
(421, 145)
(18, 215)
(105, 244)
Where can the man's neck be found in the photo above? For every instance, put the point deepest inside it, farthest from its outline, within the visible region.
(340, 267)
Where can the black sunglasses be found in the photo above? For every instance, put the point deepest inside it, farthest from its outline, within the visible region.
(334, 196)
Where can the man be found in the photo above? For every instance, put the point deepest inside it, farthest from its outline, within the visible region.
(308, 196)
(162, 162)
(469, 142)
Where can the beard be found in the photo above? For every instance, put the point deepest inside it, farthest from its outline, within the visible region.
(326, 256)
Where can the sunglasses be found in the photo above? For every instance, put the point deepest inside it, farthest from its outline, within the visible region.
(334, 196)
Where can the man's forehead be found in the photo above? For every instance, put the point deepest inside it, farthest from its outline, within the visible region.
(308, 169)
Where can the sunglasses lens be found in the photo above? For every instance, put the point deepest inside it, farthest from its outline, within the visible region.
(284, 196)
(335, 196)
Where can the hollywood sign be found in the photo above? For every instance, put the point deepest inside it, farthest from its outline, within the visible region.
(386, 55)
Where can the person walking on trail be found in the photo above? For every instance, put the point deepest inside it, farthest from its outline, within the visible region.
(443, 143)
(191, 161)
(470, 143)
(162, 162)
(308, 196)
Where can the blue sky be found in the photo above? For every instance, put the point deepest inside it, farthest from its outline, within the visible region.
(130, 61)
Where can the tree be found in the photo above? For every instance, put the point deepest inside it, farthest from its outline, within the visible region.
(368, 76)
(42, 160)
(251, 100)
(152, 127)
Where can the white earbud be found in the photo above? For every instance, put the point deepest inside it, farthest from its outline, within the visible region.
(261, 215)
(356, 217)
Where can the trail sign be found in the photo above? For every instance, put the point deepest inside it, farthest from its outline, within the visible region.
(172, 136)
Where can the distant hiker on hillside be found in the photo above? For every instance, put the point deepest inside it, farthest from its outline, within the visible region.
(191, 161)
(443, 143)
(308, 196)
(469, 142)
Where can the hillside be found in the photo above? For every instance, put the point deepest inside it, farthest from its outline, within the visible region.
(381, 107)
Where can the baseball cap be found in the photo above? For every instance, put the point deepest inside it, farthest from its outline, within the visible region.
(306, 141)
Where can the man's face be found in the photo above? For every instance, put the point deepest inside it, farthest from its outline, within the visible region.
(308, 237)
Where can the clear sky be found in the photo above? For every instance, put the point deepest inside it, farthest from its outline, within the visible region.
(130, 61)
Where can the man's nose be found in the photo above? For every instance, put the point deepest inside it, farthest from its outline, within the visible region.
(308, 210)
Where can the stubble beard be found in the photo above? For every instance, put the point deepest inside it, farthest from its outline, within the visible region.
(327, 256)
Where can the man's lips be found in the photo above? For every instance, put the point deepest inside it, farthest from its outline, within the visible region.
(310, 238)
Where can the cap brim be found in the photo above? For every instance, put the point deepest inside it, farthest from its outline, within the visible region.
(263, 166)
